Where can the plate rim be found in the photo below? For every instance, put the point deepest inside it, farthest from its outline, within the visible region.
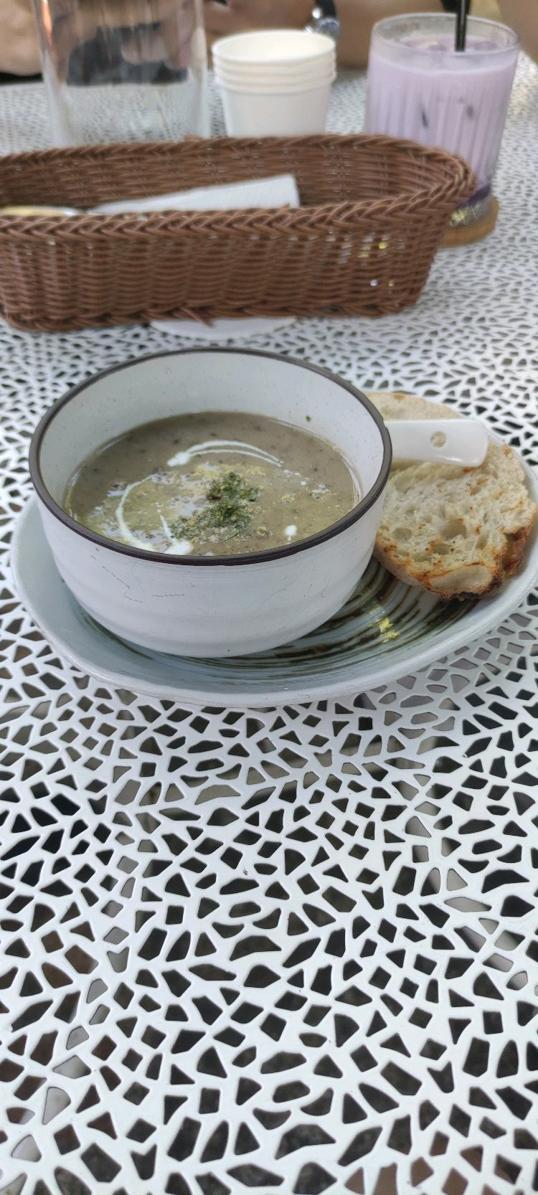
(481, 619)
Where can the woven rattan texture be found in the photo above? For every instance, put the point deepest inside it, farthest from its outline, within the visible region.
(372, 215)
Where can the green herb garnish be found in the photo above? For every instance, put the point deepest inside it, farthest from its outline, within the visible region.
(233, 488)
(228, 500)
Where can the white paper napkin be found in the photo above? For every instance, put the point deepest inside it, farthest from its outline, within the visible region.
(279, 191)
(223, 329)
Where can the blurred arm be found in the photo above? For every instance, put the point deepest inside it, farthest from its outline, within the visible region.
(522, 15)
(19, 53)
(236, 16)
(357, 18)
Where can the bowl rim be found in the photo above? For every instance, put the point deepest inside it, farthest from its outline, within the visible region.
(353, 516)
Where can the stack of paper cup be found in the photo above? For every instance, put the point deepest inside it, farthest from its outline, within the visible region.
(275, 82)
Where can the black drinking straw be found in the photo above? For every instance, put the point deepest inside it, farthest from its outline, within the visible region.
(461, 25)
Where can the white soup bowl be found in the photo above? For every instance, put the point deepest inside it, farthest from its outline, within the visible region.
(210, 605)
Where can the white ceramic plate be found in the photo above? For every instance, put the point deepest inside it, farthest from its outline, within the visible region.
(385, 631)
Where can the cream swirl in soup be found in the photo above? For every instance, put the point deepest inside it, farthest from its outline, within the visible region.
(212, 484)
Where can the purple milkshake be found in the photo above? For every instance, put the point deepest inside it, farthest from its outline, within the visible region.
(421, 88)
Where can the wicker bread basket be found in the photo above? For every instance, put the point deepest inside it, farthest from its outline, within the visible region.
(373, 213)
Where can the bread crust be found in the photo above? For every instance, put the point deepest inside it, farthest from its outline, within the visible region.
(442, 568)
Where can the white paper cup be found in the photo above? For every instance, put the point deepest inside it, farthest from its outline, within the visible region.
(264, 84)
(280, 47)
(317, 68)
(265, 75)
(275, 81)
(277, 70)
(273, 114)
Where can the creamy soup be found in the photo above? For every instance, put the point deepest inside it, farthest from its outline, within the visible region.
(214, 484)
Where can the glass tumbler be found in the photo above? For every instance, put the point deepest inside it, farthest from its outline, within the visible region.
(419, 87)
(123, 70)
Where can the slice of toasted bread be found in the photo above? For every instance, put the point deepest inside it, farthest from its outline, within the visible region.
(456, 531)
